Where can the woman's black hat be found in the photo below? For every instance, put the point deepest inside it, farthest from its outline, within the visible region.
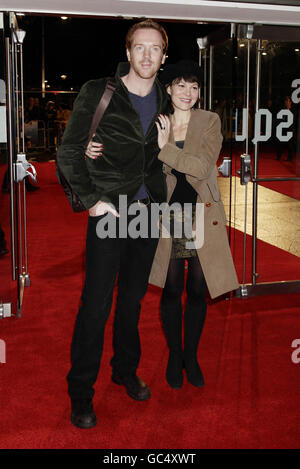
(182, 69)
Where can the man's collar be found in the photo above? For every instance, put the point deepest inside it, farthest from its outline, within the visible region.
(122, 69)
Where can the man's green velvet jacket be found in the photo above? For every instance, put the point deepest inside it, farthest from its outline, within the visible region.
(129, 158)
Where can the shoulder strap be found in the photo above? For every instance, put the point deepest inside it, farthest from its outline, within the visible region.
(103, 103)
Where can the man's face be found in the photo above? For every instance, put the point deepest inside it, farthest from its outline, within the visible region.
(146, 53)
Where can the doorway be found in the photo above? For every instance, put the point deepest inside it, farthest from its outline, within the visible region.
(250, 79)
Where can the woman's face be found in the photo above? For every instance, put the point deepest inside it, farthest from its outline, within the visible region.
(184, 94)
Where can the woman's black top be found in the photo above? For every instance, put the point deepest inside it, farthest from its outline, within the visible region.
(183, 192)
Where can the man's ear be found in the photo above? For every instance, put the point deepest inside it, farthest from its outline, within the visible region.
(163, 59)
(128, 55)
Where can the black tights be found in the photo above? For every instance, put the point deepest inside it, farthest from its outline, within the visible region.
(171, 303)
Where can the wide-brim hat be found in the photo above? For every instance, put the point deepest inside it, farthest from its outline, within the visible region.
(181, 69)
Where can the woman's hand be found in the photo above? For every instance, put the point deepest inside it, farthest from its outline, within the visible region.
(163, 129)
(94, 149)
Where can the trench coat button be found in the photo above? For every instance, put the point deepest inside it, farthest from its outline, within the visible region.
(208, 204)
(215, 222)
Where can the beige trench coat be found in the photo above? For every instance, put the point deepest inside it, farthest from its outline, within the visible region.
(198, 161)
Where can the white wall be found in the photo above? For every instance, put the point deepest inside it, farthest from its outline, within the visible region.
(196, 10)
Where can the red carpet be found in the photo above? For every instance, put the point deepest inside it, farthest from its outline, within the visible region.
(273, 264)
(251, 397)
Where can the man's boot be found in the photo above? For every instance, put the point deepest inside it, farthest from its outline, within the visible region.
(82, 413)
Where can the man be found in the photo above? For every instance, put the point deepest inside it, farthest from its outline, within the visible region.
(128, 166)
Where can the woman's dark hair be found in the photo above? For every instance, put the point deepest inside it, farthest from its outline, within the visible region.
(186, 70)
(189, 79)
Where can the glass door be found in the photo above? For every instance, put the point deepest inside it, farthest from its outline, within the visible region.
(14, 169)
(250, 79)
(7, 292)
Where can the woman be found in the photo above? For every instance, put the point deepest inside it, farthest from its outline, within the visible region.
(190, 142)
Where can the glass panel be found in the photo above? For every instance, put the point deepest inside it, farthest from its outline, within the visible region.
(275, 126)
(279, 201)
(5, 248)
(280, 95)
(229, 98)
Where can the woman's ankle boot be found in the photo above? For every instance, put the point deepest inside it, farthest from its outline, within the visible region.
(172, 324)
(174, 374)
(195, 314)
(192, 368)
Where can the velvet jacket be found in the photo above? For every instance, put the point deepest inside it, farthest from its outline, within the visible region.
(129, 158)
(197, 160)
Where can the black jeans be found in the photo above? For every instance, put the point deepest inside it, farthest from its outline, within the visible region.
(131, 259)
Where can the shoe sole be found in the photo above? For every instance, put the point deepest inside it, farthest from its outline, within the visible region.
(119, 383)
(83, 426)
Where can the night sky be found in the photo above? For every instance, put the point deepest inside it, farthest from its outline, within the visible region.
(87, 48)
(84, 48)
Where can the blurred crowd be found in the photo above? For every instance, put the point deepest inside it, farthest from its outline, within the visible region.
(52, 117)
(52, 112)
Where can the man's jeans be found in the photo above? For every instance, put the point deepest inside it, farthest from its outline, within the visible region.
(105, 258)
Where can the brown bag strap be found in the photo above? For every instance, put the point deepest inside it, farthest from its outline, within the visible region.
(103, 103)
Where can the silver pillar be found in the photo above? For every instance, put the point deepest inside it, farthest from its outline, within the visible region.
(255, 168)
(246, 152)
(11, 149)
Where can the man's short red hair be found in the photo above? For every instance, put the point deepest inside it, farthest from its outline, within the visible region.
(147, 24)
